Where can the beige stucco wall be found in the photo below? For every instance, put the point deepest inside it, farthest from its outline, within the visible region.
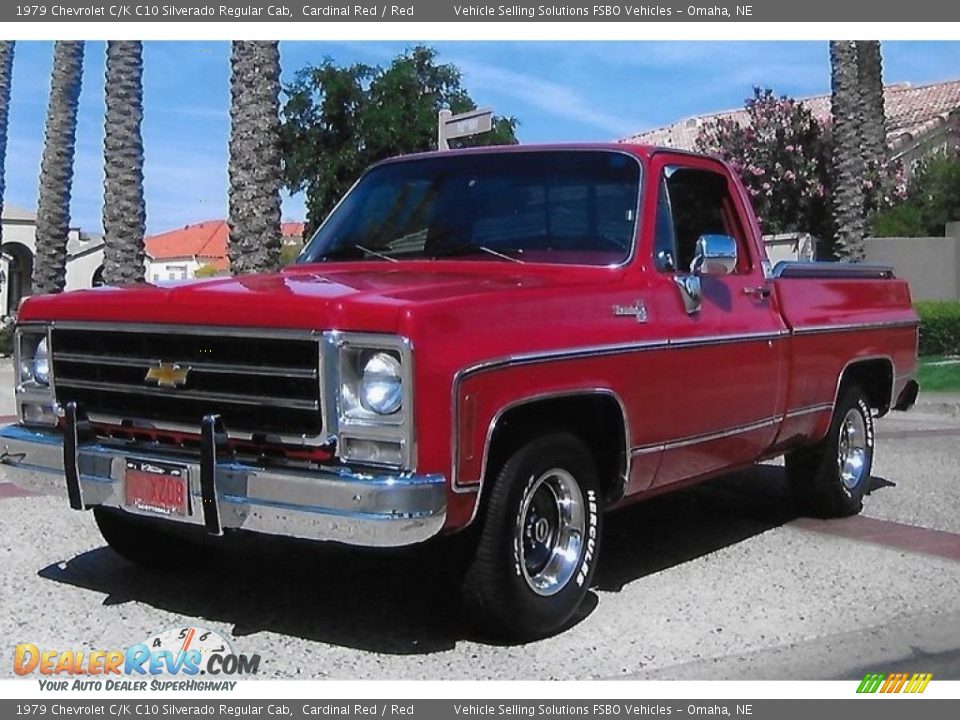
(930, 264)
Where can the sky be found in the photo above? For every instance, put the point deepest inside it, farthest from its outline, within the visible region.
(559, 92)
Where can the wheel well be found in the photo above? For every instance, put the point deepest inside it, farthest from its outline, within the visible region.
(875, 377)
(598, 419)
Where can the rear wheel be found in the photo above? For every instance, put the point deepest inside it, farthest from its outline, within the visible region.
(830, 478)
(540, 540)
(143, 541)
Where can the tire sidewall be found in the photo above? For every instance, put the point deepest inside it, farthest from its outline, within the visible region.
(850, 499)
(527, 612)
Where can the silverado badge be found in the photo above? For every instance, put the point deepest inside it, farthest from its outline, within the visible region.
(638, 310)
(167, 375)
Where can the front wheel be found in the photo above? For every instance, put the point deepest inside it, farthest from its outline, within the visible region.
(539, 542)
(830, 478)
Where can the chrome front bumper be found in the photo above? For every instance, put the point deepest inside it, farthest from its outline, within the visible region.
(331, 504)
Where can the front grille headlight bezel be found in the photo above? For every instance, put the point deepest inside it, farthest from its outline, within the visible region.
(34, 382)
(367, 432)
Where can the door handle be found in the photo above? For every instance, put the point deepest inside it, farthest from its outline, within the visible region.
(761, 292)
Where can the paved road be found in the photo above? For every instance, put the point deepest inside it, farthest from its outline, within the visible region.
(719, 581)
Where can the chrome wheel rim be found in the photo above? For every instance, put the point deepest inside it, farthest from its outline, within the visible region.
(550, 531)
(852, 449)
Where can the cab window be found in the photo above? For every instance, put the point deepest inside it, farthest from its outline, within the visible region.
(691, 203)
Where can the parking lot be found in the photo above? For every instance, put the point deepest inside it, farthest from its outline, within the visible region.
(719, 581)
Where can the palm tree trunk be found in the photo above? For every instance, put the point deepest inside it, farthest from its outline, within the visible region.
(848, 165)
(870, 73)
(56, 168)
(124, 212)
(6, 78)
(255, 170)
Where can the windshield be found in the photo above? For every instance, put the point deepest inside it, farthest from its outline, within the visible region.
(563, 206)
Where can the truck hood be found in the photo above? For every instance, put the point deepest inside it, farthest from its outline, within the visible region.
(371, 296)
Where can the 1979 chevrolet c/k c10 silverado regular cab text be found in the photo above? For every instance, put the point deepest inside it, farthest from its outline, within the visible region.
(512, 340)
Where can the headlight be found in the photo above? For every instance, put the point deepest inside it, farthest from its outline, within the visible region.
(367, 398)
(34, 394)
(41, 363)
(381, 386)
(34, 360)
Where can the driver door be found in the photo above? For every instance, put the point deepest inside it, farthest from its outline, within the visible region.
(722, 382)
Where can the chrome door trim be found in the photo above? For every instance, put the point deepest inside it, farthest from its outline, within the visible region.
(808, 410)
(706, 437)
(819, 329)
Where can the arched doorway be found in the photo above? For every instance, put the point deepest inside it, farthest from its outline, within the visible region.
(97, 280)
(19, 280)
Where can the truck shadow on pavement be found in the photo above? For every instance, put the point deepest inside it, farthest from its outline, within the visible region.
(406, 601)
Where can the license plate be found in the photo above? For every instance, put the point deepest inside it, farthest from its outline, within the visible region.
(156, 487)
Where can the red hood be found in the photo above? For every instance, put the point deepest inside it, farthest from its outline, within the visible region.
(372, 296)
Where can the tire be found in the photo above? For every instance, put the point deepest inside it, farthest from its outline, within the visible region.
(143, 542)
(519, 585)
(830, 478)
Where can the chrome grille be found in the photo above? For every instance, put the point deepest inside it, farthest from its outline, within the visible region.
(258, 384)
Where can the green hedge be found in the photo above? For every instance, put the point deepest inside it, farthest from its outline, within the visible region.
(939, 327)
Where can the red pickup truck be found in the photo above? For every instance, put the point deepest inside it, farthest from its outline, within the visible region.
(511, 340)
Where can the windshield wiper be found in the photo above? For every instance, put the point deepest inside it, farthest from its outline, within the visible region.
(472, 249)
(380, 255)
(348, 250)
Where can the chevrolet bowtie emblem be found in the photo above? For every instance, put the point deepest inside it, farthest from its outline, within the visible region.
(168, 375)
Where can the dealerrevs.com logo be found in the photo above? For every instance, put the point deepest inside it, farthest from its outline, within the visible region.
(184, 658)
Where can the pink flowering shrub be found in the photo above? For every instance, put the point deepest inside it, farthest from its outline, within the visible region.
(782, 155)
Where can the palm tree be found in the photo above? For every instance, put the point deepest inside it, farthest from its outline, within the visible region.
(870, 75)
(56, 168)
(255, 170)
(6, 77)
(124, 213)
(848, 164)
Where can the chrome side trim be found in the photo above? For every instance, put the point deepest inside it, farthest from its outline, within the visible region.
(867, 358)
(728, 339)
(705, 437)
(230, 398)
(619, 349)
(584, 392)
(206, 367)
(815, 329)
(458, 487)
(798, 412)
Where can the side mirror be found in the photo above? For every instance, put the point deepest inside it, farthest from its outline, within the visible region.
(714, 255)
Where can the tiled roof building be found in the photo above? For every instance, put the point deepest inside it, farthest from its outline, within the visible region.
(203, 243)
(920, 119)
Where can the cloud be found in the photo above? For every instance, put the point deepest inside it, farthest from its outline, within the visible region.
(553, 98)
